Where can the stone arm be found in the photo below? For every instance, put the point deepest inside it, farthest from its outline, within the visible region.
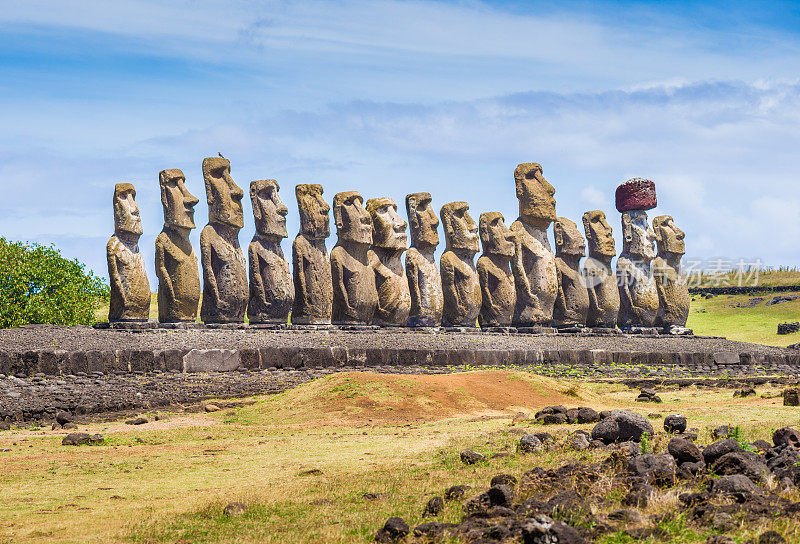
(299, 268)
(412, 273)
(518, 268)
(337, 277)
(560, 303)
(379, 270)
(162, 272)
(449, 274)
(209, 279)
(256, 280)
(590, 277)
(113, 270)
(483, 278)
(625, 272)
(660, 276)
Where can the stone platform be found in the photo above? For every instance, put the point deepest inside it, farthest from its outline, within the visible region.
(71, 350)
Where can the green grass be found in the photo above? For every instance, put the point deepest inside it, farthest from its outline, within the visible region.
(765, 278)
(719, 316)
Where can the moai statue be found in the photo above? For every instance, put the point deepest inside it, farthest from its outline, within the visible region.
(601, 282)
(424, 281)
(498, 294)
(313, 291)
(271, 286)
(176, 261)
(389, 242)
(460, 284)
(130, 290)
(355, 297)
(225, 292)
(637, 287)
(572, 302)
(673, 292)
(534, 265)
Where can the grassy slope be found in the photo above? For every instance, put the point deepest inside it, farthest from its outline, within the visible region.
(167, 481)
(758, 324)
(772, 278)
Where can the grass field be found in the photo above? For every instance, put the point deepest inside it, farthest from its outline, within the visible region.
(302, 461)
(744, 318)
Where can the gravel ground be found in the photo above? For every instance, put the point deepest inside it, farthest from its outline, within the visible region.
(45, 337)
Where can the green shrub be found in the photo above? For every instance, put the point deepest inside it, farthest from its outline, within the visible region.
(38, 285)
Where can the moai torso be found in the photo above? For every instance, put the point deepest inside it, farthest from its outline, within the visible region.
(225, 290)
(422, 272)
(355, 296)
(313, 290)
(534, 268)
(601, 282)
(603, 293)
(130, 290)
(498, 293)
(176, 261)
(425, 286)
(389, 242)
(637, 286)
(534, 265)
(460, 284)
(572, 301)
(271, 285)
(673, 292)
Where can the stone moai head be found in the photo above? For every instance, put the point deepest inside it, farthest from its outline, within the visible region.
(669, 238)
(460, 229)
(599, 234)
(422, 219)
(638, 236)
(178, 202)
(496, 237)
(126, 211)
(537, 205)
(353, 222)
(569, 240)
(314, 220)
(223, 195)
(269, 210)
(388, 228)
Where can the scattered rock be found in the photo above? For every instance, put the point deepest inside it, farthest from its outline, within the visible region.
(543, 529)
(654, 469)
(529, 444)
(684, 451)
(234, 509)
(136, 421)
(455, 492)
(621, 426)
(519, 418)
(744, 392)
(63, 417)
(393, 530)
(469, 457)
(675, 423)
(69, 426)
(788, 328)
(734, 483)
(771, 537)
(721, 431)
(742, 462)
(579, 442)
(434, 507)
(719, 448)
(786, 436)
(552, 419)
(587, 415)
(211, 408)
(77, 439)
(504, 479)
(791, 397)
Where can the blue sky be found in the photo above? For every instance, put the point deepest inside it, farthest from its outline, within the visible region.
(390, 97)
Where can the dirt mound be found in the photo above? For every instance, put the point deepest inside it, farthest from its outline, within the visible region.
(402, 398)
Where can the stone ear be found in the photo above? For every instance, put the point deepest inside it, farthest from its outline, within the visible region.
(626, 228)
(558, 233)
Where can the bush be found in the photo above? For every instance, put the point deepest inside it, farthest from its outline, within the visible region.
(38, 285)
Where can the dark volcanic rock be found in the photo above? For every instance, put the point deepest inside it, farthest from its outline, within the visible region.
(675, 423)
(742, 462)
(654, 469)
(684, 451)
(587, 415)
(542, 529)
(393, 530)
(77, 439)
(791, 397)
(455, 492)
(733, 483)
(529, 444)
(469, 457)
(719, 448)
(63, 418)
(621, 426)
(786, 436)
(434, 507)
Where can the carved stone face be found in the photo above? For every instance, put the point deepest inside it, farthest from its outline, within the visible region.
(497, 239)
(423, 220)
(638, 235)
(314, 220)
(353, 222)
(388, 228)
(126, 211)
(269, 210)
(178, 202)
(569, 240)
(223, 195)
(460, 229)
(599, 234)
(669, 237)
(537, 205)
